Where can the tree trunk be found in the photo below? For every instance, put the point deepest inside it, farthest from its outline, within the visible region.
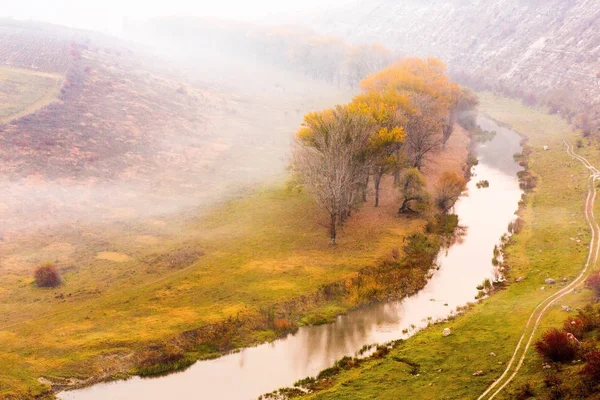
(403, 207)
(332, 229)
(364, 193)
(378, 177)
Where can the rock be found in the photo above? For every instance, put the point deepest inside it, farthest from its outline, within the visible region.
(519, 279)
(492, 354)
(546, 366)
(439, 370)
(543, 288)
(478, 373)
(545, 148)
(446, 332)
(565, 279)
(567, 309)
(550, 281)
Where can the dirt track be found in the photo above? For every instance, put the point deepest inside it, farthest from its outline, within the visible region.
(530, 329)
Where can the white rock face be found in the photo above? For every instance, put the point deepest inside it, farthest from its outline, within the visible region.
(531, 47)
(447, 332)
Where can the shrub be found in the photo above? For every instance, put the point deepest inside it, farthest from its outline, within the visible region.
(283, 324)
(47, 276)
(556, 346)
(593, 282)
(590, 318)
(515, 227)
(574, 326)
(442, 224)
(591, 370)
(525, 392)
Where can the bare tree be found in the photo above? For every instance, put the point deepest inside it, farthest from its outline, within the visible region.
(330, 156)
(424, 130)
(363, 60)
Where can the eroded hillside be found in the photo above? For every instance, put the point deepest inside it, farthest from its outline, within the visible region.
(544, 50)
(127, 134)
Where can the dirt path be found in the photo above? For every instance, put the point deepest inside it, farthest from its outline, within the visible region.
(530, 329)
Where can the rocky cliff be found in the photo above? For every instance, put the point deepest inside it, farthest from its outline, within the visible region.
(544, 50)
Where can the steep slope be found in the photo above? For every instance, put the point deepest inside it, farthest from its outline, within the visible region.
(547, 49)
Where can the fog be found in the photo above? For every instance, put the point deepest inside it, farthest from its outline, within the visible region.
(109, 15)
(230, 131)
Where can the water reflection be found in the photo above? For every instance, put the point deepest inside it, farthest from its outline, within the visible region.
(465, 264)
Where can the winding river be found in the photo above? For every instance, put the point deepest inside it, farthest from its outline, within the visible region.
(253, 371)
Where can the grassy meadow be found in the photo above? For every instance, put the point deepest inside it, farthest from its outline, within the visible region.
(544, 248)
(23, 91)
(130, 286)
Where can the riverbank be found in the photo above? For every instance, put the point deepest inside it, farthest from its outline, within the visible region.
(130, 290)
(551, 244)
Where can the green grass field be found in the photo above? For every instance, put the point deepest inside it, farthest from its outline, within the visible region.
(23, 91)
(553, 215)
(128, 286)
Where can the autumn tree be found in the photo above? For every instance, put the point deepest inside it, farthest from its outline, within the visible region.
(387, 112)
(447, 191)
(330, 157)
(413, 191)
(431, 93)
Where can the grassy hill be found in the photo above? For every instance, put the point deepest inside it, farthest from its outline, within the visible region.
(140, 184)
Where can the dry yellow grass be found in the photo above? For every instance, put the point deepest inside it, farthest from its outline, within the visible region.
(24, 91)
(121, 292)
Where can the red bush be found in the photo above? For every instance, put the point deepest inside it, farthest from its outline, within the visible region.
(282, 324)
(592, 368)
(47, 276)
(593, 282)
(574, 326)
(555, 345)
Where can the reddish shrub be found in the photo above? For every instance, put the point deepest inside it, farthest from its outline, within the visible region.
(555, 345)
(47, 276)
(593, 282)
(282, 324)
(591, 369)
(574, 326)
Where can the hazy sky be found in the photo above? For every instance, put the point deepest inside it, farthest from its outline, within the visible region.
(107, 14)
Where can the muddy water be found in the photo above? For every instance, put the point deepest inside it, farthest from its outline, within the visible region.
(254, 371)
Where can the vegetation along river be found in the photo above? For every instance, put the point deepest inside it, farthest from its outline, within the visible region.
(485, 212)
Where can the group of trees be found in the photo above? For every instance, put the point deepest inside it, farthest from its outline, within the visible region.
(404, 115)
(322, 57)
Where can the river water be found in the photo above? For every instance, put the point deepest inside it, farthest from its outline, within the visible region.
(254, 371)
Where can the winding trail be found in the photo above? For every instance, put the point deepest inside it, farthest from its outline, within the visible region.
(530, 329)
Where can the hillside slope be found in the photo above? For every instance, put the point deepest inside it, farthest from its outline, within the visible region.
(549, 49)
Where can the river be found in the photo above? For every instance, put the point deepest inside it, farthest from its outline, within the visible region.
(251, 372)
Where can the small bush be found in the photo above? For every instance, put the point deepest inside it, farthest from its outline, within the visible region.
(590, 318)
(525, 392)
(574, 326)
(556, 346)
(515, 227)
(593, 282)
(591, 370)
(552, 380)
(47, 276)
(283, 324)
